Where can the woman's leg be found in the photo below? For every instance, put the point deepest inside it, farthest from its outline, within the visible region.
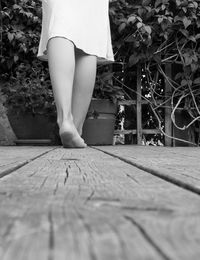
(84, 80)
(61, 59)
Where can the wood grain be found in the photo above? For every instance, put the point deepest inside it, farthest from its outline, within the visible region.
(179, 165)
(13, 157)
(84, 204)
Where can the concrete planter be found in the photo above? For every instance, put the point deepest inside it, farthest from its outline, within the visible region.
(182, 119)
(33, 128)
(99, 125)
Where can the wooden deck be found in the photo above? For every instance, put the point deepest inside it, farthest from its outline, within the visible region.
(99, 203)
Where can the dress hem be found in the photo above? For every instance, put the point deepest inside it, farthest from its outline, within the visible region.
(100, 59)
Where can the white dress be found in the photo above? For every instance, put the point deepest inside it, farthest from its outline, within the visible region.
(84, 22)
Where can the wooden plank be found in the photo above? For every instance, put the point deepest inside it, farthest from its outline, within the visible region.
(134, 131)
(134, 102)
(127, 102)
(85, 204)
(13, 157)
(179, 165)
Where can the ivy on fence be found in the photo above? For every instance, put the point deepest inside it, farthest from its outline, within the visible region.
(157, 33)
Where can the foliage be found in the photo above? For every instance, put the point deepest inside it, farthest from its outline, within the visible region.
(30, 92)
(159, 31)
(20, 32)
(104, 87)
(25, 79)
(154, 33)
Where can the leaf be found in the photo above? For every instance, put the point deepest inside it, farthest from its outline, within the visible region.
(160, 19)
(10, 36)
(178, 76)
(184, 32)
(132, 19)
(15, 6)
(184, 9)
(186, 22)
(197, 81)
(164, 25)
(131, 38)
(157, 3)
(149, 9)
(148, 29)
(192, 38)
(194, 67)
(5, 14)
(198, 23)
(121, 27)
(133, 60)
(16, 58)
(177, 18)
(195, 4)
(197, 36)
(146, 2)
(195, 58)
(184, 83)
(139, 25)
(178, 2)
(187, 59)
(34, 50)
(18, 35)
(141, 11)
(139, 19)
(157, 58)
(163, 7)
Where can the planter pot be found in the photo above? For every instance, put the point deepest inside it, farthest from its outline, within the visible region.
(182, 119)
(33, 127)
(99, 125)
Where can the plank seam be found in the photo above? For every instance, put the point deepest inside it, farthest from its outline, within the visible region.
(172, 180)
(148, 238)
(20, 165)
(51, 237)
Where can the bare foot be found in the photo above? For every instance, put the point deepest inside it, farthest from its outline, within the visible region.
(70, 137)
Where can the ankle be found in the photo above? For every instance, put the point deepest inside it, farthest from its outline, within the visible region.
(80, 130)
(64, 120)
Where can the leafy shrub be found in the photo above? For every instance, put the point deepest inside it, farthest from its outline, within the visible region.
(156, 30)
(20, 32)
(154, 33)
(30, 91)
(25, 79)
(151, 33)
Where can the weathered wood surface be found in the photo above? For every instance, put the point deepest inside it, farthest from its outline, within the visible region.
(13, 157)
(178, 165)
(85, 204)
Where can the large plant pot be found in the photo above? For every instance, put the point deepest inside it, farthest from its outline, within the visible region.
(182, 119)
(33, 127)
(99, 125)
